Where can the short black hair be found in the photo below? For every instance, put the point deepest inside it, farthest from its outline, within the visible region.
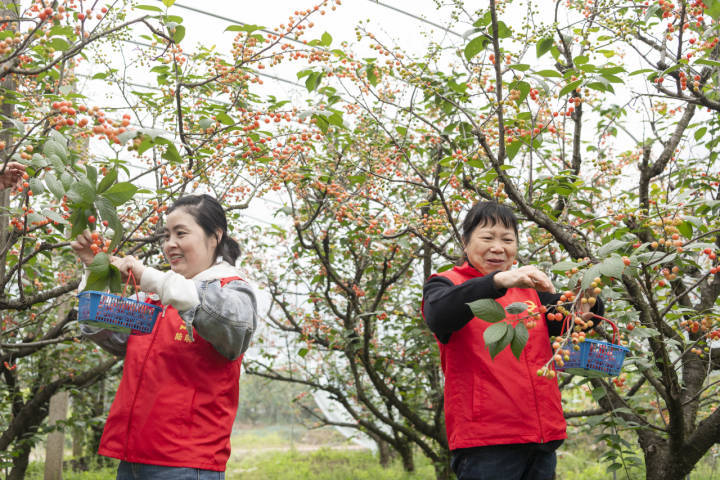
(210, 215)
(485, 212)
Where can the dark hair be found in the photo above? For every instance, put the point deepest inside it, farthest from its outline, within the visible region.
(488, 213)
(210, 215)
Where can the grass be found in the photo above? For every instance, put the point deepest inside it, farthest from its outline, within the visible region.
(292, 453)
(323, 464)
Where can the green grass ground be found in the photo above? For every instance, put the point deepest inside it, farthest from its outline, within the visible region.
(288, 453)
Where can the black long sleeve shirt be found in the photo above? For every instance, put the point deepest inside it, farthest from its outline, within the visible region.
(446, 311)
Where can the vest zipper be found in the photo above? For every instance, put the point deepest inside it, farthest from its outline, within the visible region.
(537, 409)
(137, 389)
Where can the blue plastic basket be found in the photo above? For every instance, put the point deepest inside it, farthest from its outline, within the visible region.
(594, 359)
(117, 313)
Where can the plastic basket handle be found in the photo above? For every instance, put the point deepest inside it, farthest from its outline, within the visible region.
(127, 282)
(615, 328)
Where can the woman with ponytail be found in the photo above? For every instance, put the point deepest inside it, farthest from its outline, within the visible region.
(173, 413)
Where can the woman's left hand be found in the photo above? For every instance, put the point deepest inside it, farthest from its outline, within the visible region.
(583, 308)
(128, 264)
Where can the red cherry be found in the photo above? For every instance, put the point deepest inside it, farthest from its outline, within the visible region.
(91, 219)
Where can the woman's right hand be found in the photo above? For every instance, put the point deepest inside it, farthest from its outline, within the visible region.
(528, 276)
(81, 247)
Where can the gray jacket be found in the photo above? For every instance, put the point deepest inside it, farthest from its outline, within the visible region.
(224, 316)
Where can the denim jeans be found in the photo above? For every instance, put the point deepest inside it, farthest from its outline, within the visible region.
(142, 471)
(506, 462)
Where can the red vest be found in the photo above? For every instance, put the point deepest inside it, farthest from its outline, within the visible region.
(177, 400)
(500, 401)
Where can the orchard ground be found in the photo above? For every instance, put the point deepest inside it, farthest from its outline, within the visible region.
(293, 452)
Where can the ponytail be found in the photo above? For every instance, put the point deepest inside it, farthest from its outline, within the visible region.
(228, 249)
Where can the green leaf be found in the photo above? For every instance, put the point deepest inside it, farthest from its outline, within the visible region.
(371, 75)
(178, 34)
(516, 308)
(205, 123)
(149, 8)
(54, 216)
(543, 46)
(36, 186)
(56, 162)
(654, 9)
(589, 276)
(611, 246)
(97, 281)
(581, 59)
(686, 229)
(100, 264)
(651, 258)
(705, 61)
(520, 67)
(325, 40)
(503, 30)
(59, 44)
(81, 194)
(107, 180)
(168, 3)
(612, 267)
(563, 266)
(54, 185)
(313, 80)
(475, 46)
(700, 132)
(91, 173)
(513, 148)
(120, 193)
(243, 28)
(498, 347)
(171, 153)
(522, 87)
(225, 119)
(713, 9)
(519, 340)
(107, 212)
(598, 393)
(487, 309)
(495, 332)
(644, 332)
(127, 135)
(570, 87)
(549, 73)
(302, 352)
(52, 147)
(66, 179)
(114, 280)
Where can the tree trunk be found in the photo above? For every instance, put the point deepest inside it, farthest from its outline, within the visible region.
(662, 464)
(443, 470)
(403, 448)
(55, 444)
(20, 461)
(7, 109)
(385, 452)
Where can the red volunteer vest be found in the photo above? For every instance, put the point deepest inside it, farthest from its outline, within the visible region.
(177, 400)
(500, 401)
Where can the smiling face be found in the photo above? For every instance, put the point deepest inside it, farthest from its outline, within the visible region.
(186, 245)
(491, 247)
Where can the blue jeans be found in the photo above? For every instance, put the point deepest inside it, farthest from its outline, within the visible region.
(528, 461)
(142, 471)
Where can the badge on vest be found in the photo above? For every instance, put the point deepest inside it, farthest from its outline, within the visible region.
(179, 336)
